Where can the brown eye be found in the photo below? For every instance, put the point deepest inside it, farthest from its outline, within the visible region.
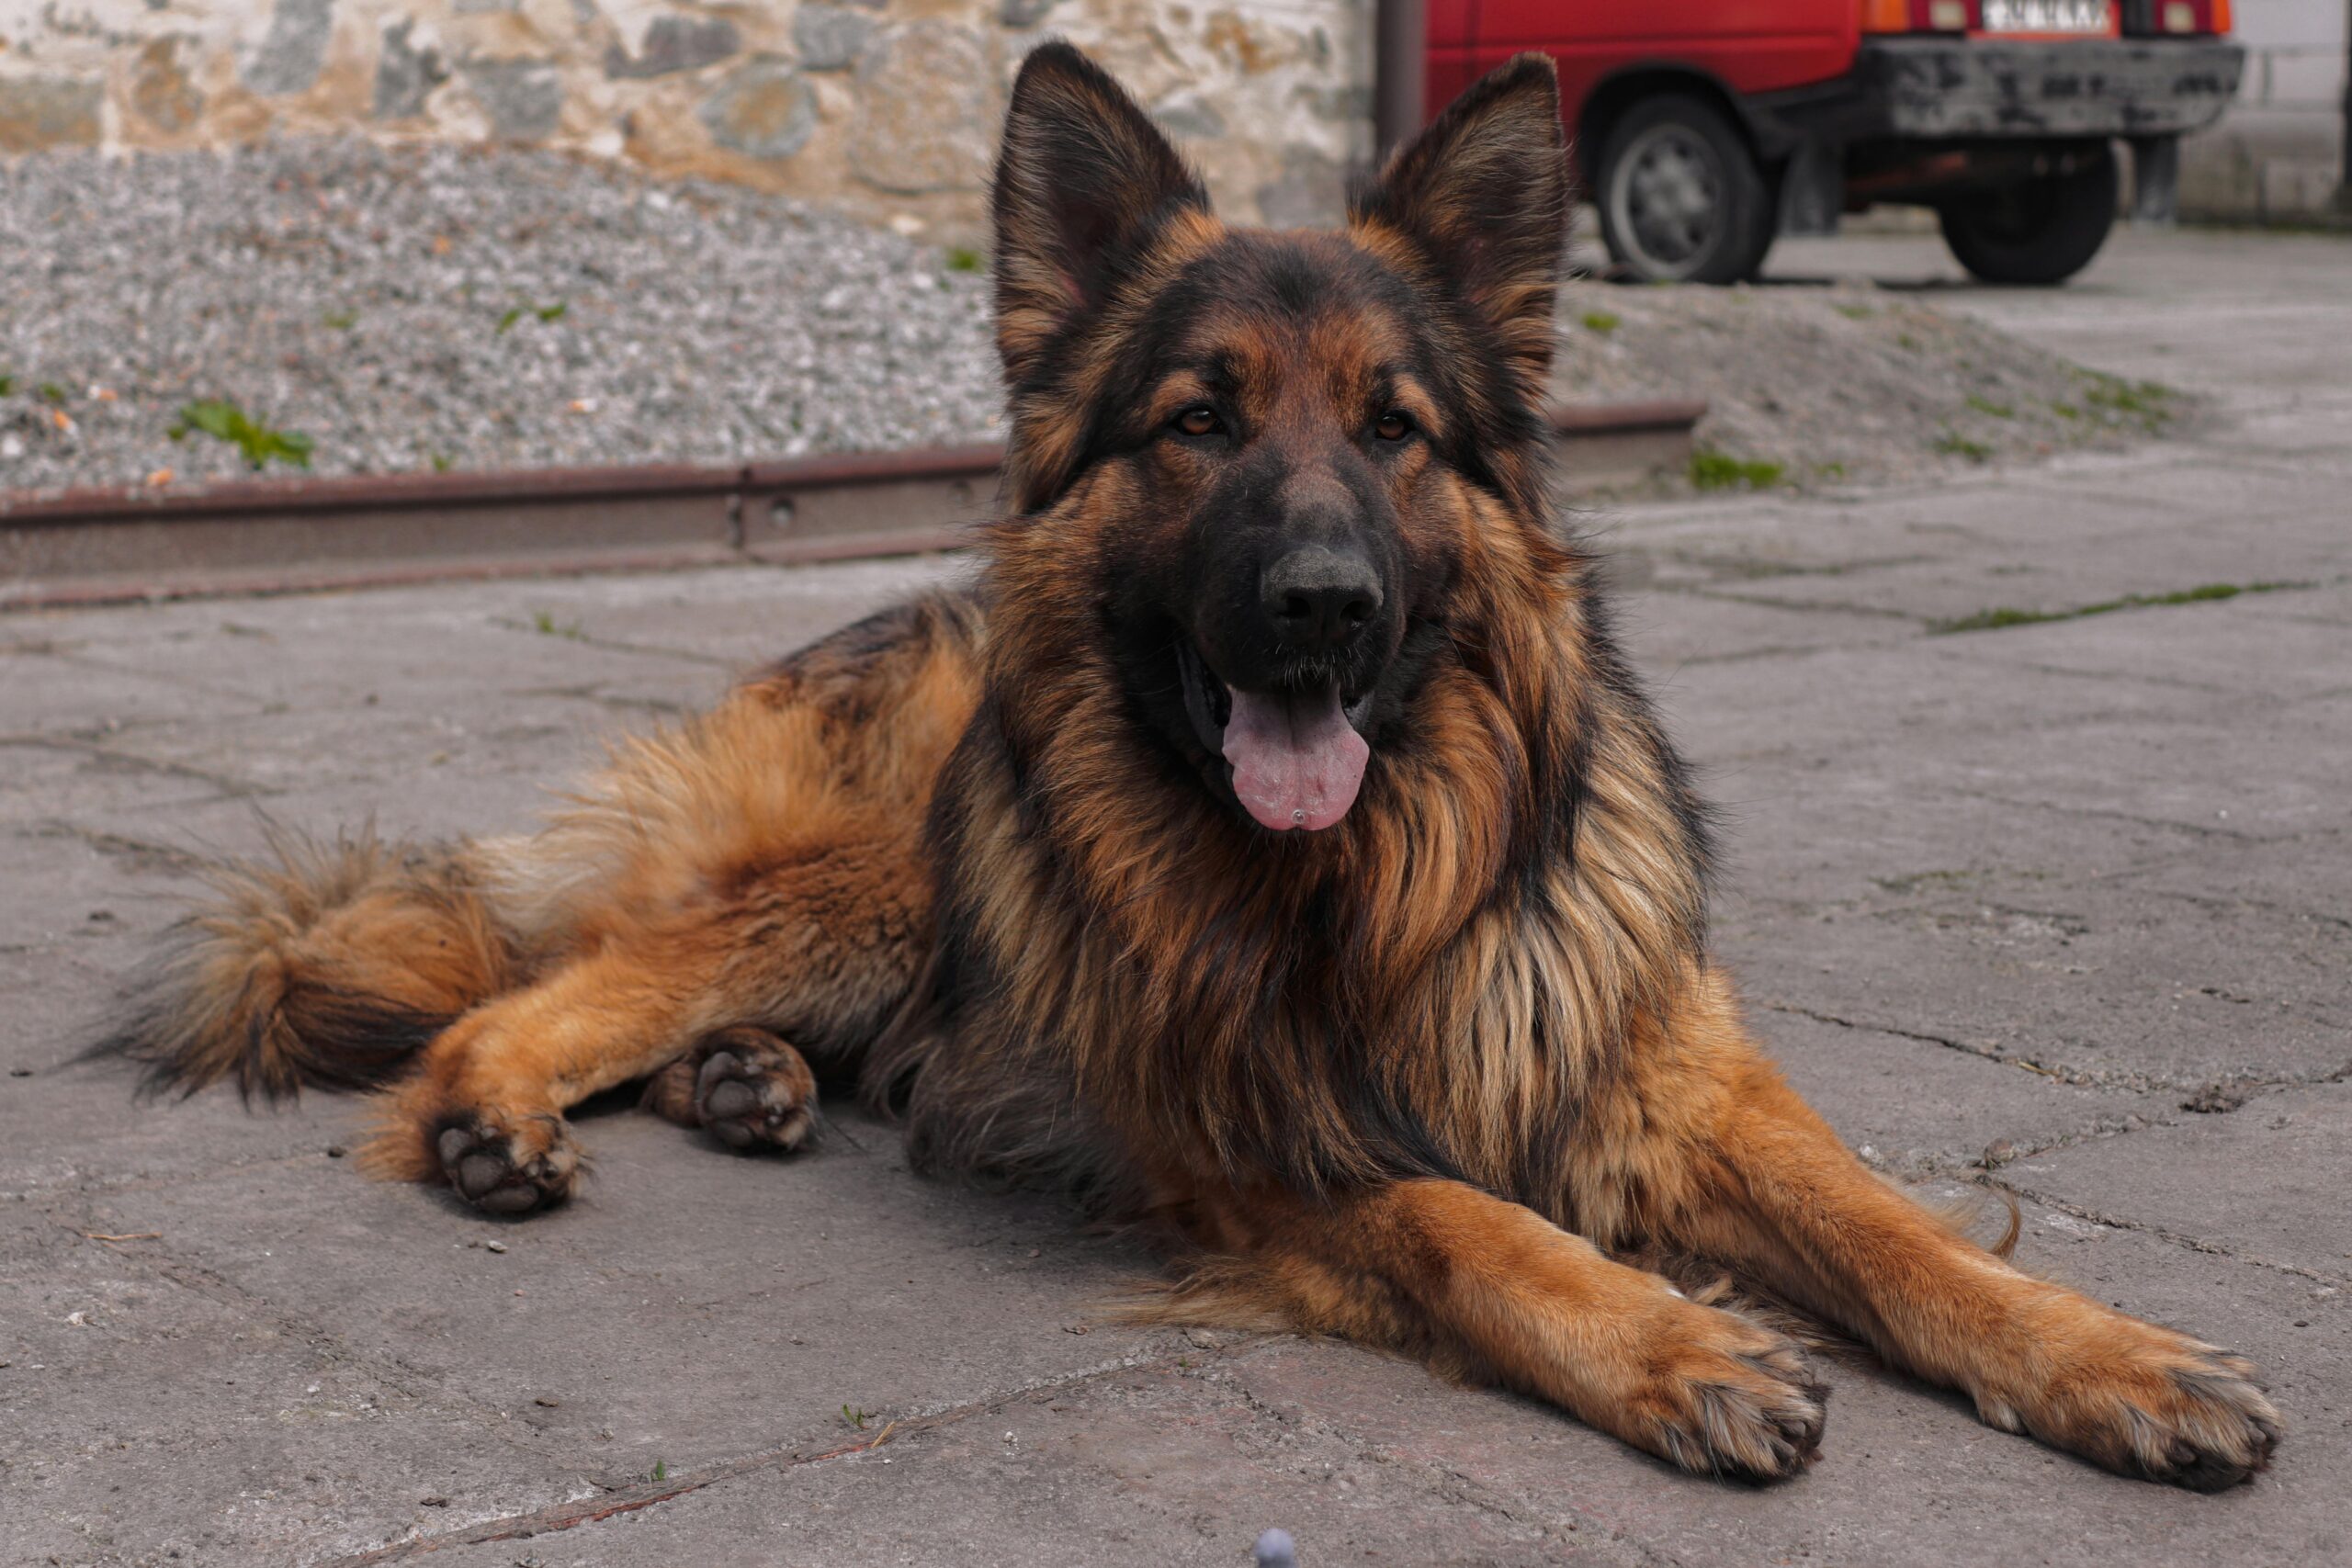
(1394, 425)
(1199, 420)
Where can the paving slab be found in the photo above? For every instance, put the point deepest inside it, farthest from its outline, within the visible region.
(1914, 1108)
(2102, 983)
(2260, 1176)
(301, 1447)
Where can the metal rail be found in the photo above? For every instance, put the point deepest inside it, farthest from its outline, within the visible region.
(126, 543)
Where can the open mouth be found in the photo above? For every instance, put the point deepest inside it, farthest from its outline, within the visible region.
(1296, 757)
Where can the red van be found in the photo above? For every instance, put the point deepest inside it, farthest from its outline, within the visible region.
(1705, 127)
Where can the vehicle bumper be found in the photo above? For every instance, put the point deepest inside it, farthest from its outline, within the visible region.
(1934, 89)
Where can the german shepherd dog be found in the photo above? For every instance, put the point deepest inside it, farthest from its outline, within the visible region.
(1274, 845)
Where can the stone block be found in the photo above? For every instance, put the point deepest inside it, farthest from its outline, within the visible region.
(294, 51)
(763, 110)
(831, 38)
(406, 72)
(926, 112)
(522, 97)
(673, 44)
(160, 92)
(37, 112)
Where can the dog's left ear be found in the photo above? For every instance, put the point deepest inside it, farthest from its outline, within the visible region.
(1483, 196)
(1082, 178)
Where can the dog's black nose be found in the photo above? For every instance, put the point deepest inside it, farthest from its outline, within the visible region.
(1318, 599)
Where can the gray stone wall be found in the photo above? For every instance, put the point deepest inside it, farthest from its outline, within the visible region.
(885, 108)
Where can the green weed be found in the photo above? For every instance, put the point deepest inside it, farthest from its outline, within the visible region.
(51, 392)
(1951, 443)
(1992, 620)
(262, 444)
(1858, 312)
(2147, 401)
(546, 625)
(1711, 470)
(1987, 406)
(1602, 321)
(857, 1418)
(963, 258)
(514, 314)
(341, 320)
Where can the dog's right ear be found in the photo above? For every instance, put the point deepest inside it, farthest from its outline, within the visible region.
(1083, 176)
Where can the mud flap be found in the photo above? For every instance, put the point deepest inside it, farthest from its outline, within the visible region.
(1813, 189)
(2155, 180)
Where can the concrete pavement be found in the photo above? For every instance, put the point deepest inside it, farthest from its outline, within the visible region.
(2069, 899)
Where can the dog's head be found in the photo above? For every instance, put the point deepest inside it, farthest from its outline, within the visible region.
(1249, 466)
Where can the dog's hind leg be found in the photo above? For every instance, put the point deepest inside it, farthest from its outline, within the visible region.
(751, 1089)
(485, 1108)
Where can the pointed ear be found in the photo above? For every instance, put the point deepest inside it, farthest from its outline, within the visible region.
(1083, 177)
(1482, 195)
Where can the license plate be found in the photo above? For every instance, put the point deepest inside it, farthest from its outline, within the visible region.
(2049, 17)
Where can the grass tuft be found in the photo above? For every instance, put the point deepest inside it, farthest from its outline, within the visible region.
(2206, 593)
(1711, 470)
(514, 314)
(262, 444)
(1602, 321)
(963, 258)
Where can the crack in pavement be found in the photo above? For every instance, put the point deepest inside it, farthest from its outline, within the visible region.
(391, 1372)
(2135, 1083)
(145, 857)
(1828, 605)
(1986, 1053)
(616, 645)
(1465, 1487)
(2108, 814)
(76, 745)
(2165, 1234)
(780, 1456)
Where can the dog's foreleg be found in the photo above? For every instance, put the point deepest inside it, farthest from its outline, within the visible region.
(1790, 1206)
(1491, 1289)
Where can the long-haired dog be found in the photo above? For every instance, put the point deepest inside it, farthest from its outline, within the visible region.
(1274, 844)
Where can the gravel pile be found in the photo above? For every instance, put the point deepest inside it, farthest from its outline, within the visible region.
(418, 309)
(1846, 383)
(404, 310)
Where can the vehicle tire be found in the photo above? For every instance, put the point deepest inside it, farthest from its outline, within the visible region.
(2040, 231)
(1681, 200)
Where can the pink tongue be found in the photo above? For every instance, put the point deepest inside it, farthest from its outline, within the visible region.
(1296, 760)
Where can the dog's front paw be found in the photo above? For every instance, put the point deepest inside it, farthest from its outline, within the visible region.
(1730, 1397)
(2144, 1401)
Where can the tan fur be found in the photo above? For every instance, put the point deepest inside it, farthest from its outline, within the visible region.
(1456, 1076)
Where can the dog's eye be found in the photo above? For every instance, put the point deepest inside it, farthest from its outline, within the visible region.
(1394, 425)
(1199, 420)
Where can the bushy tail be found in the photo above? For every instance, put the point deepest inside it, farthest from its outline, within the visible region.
(320, 963)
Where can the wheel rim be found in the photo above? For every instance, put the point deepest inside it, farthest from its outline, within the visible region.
(1667, 200)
